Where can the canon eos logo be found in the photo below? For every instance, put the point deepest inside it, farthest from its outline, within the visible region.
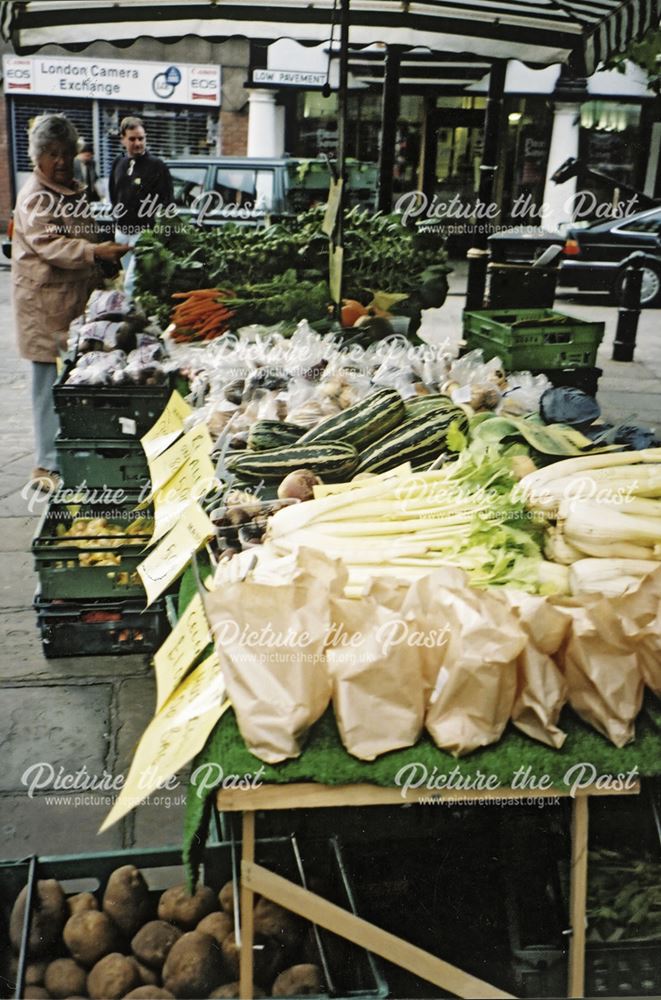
(18, 74)
(201, 84)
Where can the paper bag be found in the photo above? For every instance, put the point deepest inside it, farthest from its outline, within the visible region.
(475, 688)
(601, 668)
(378, 687)
(270, 636)
(640, 613)
(541, 687)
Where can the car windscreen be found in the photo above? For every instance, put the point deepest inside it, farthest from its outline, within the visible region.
(187, 184)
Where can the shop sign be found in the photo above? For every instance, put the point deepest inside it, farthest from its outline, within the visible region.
(289, 78)
(112, 79)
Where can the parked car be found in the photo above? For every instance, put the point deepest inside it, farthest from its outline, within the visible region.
(593, 256)
(212, 191)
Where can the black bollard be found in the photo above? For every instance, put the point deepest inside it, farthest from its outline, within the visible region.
(628, 314)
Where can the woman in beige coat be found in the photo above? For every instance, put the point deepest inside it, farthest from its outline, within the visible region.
(54, 260)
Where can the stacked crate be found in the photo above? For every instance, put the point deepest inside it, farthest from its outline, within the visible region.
(540, 341)
(86, 605)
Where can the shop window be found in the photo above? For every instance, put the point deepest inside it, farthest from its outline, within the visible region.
(610, 144)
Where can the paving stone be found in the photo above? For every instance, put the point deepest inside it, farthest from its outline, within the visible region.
(40, 826)
(17, 581)
(23, 658)
(160, 822)
(135, 709)
(16, 533)
(64, 727)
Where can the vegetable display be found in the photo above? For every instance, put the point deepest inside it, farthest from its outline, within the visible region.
(201, 315)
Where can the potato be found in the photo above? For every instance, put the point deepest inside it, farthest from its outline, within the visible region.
(150, 993)
(148, 977)
(268, 957)
(49, 915)
(178, 906)
(126, 900)
(232, 991)
(226, 898)
(113, 977)
(194, 966)
(299, 981)
(218, 925)
(90, 935)
(34, 973)
(274, 921)
(35, 993)
(64, 978)
(153, 942)
(83, 901)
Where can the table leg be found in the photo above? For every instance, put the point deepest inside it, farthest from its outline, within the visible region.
(247, 857)
(578, 895)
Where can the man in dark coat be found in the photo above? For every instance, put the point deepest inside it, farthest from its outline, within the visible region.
(84, 170)
(140, 188)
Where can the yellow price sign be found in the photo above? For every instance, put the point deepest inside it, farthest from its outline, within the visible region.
(192, 482)
(176, 733)
(189, 637)
(171, 556)
(195, 445)
(168, 427)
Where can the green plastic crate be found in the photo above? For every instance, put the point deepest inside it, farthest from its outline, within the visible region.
(349, 971)
(103, 627)
(58, 564)
(83, 462)
(532, 339)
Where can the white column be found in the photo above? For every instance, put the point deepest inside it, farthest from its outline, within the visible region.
(564, 143)
(265, 125)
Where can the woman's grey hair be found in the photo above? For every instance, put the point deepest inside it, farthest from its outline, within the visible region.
(51, 130)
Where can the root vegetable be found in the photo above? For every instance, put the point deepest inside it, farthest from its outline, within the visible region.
(232, 991)
(153, 942)
(34, 973)
(90, 936)
(299, 981)
(83, 901)
(49, 915)
(65, 978)
(269, 958)
(276, 922)
(177, 906)
(113, 977)
(298, 485)
(148, 977)
(126, 899)
(150, 993)
(194, 966)
(218, 925)
(35, 993)
(226, 898)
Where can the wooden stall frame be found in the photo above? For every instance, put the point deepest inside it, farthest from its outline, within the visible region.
(310, 795)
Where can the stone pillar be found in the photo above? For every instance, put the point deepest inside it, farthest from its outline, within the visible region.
(564, 143)
(265, 125)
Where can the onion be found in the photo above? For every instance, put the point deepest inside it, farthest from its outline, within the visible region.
(298, 485)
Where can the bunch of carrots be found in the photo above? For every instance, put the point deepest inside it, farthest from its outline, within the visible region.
(201, 314)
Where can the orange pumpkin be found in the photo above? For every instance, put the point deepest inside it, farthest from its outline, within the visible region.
(351, 311)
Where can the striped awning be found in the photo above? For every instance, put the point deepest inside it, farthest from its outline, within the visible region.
(536, 31)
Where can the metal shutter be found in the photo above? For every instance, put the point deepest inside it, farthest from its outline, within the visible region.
(171, 131)
(24, 109)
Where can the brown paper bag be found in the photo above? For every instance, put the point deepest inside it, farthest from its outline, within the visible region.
(541, 687)
(640, 613)
(270, 635)
(475, 686)
(601, 667)
(378, 686)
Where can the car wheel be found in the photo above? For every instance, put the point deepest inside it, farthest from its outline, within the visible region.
(650, 291)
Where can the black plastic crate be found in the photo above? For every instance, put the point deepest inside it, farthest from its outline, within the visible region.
(112, 462)
(350, 971)
(101, 411)
(521, 286)
(100, 628)
(66, 569)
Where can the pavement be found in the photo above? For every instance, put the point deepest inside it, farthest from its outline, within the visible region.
(84, 715)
